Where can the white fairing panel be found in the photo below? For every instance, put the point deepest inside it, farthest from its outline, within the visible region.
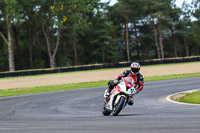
(122, 87)
(109, 105)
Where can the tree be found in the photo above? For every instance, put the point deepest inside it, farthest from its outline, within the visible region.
(30, 10)
(104, 41)
(12, 14)
(158, 11)
(185, 22)
(174, 14)
(125, 12)
(195, 26)
(81, 14)
(52, 19)
(46, 33)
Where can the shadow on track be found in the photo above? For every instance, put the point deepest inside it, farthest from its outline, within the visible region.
(129, 114)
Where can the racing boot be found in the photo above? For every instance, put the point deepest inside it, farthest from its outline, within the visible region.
(107, 95)
(131, 100)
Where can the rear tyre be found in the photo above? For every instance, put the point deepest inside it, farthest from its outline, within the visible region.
(118, 107)
(105, 112)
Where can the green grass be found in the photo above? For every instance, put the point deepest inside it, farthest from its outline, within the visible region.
(193, 98)
(40, 89)
(104, 69)
(175, 76)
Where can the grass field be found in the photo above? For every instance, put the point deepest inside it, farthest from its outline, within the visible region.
(193, 98)
(40, 89)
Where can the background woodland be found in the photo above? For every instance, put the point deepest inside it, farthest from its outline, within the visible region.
(57, 33)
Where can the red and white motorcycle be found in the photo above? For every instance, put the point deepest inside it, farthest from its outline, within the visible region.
(119, 96)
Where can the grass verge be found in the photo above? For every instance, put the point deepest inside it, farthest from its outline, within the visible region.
(193, 98)
(40, 89)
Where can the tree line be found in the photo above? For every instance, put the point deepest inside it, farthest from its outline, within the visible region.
(56, 33)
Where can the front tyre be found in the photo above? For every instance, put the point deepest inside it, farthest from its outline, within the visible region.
(105, 112)
(118, 107)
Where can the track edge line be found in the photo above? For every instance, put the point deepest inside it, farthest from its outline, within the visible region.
(168, 98)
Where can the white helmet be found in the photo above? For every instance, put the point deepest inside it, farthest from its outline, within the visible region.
(135, 67)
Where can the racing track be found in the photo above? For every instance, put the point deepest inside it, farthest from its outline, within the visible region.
(79, 111)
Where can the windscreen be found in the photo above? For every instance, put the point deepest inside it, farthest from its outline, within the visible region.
(129, 80)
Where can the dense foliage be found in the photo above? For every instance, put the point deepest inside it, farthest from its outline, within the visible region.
(57, 33)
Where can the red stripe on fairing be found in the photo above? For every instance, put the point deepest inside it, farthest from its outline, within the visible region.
(109, 100)
(116, 88)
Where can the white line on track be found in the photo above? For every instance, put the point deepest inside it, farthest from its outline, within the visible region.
(190, 91)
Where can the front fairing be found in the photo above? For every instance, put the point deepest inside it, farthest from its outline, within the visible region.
(127, 86)
(122, 87)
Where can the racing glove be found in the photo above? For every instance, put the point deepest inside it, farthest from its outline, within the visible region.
(112, 83)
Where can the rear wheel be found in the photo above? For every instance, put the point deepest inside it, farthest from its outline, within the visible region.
(118, 107)
(105, 112)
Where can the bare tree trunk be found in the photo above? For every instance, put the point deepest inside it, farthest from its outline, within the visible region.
(57, 45)
(18, 54)
(10, 50)
(51, 56)
(161, 42)
(156, 39)
(173, 42)
(175, 50)
(137, 45)
(65, 53)
(30, 50)
(103, 54)
(30, 31)
(4, 38)
(52, 62)
(127, 40)
(75, 53)
(186, 45)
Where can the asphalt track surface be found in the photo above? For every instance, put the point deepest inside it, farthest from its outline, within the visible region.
(79, 111)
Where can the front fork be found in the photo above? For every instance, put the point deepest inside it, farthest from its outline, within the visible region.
(116, 98)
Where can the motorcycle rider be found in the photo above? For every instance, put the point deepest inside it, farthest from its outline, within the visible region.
(135, 74)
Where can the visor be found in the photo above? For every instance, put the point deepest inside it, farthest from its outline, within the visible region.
(135, 70)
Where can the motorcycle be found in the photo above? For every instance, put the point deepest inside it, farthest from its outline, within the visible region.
(119, 96)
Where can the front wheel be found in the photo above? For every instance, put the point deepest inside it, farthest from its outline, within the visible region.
(118, 107)
(105, 112)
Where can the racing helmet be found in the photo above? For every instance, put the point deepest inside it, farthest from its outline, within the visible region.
(135, 67)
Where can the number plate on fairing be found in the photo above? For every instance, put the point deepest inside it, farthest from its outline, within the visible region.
(131, 91)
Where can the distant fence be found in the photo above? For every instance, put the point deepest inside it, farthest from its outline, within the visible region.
(97, 66)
